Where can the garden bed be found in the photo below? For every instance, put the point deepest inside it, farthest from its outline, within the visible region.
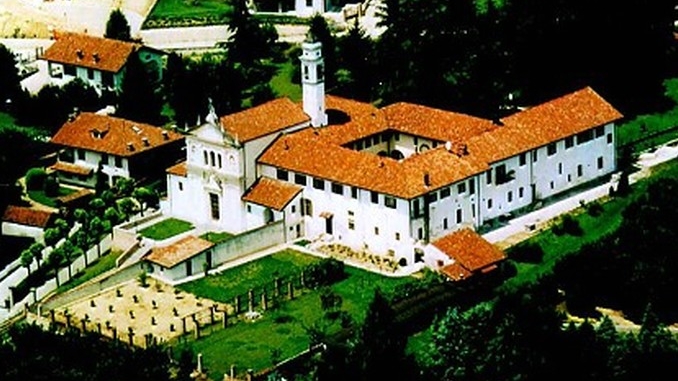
(166, 229)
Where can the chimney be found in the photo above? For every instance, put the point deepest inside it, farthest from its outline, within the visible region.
(145, 141)
(165, 135)
(427, 179)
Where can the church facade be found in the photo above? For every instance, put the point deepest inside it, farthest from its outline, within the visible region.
(389, 180)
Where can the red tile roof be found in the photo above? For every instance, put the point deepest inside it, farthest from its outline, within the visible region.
(456, 272)
(62, 166)
(89, 51)
(271, 193)
(178, 252)
(27, 216)
(319, 152)
(554, 120)
(264, 119)
(178, 169)
(111, 135)
(469, 250)
(434, 123)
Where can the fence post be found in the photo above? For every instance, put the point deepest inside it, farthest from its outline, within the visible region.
(264, 305)
(236, 304)
(250, 303)
(290, 290)
(225, 321)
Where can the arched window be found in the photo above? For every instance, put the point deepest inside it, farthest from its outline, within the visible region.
(204, 154)
(219, 157)
(212, 157)
(305, 71)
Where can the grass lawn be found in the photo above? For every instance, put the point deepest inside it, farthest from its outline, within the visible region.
(217, 237)
(177, 9)
(249, 345)
(39, 196)
(226, 285)
(166, 228)
(101, 265)
(282, 82)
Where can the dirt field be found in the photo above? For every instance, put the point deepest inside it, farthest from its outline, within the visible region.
(38, 18)
(157, 309)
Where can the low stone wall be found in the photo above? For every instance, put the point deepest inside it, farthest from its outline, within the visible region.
(248, 243)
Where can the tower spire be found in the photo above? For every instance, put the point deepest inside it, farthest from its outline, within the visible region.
(313, 80)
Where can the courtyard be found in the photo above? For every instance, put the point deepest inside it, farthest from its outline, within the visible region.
(156, 310)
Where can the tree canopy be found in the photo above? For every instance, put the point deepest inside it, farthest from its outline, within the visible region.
(117, 26)
(139, 98)
(9, 75)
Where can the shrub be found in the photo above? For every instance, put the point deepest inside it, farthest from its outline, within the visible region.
(51, 186)
(571, 226)
(527, 252)
(594, 209)
(35, 179)
(324, 273)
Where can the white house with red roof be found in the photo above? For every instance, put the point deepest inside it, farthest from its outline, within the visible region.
(97, 61)
(389, 180)
(123, 148)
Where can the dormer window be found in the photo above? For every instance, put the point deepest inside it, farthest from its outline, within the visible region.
(95, 56)
(130, 147)
(79, 54)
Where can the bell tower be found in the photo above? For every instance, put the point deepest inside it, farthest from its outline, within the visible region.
(313, 81)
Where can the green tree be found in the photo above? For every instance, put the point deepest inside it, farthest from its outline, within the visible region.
(139, 99)
(117, 26)
(52, 236)
(355, 78)
(27, 259)
(36, 248)
(9, 76)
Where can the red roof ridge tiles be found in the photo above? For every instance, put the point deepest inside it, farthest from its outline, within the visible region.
(267, 118)
(174, 254)
(469, 250)
(271, 193)
(27, 216)
(93, 52)
(112, 135)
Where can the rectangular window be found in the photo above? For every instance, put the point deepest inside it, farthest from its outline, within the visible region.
(416, 141)
(90, 74)
(376, 230)
(459, 216)
(444, 193)
(294, 208)
(282, 174)
(104, 158)
(569, 142)
(552, 185)
(472, 186)
(509, 196)
(319, 184)
(551, 149)
(488, 176)
(181, 186)
(375, 140)
(337, 188)
(521, 191)
(522, 159)
(501, 176)
(309, 3)
(600, 162)
(432, 197)
(374, 196)
(580, 170)
(354, 192)
(396, 136)
(415, 208)
(358, 145)
(81, 154)
(489, 203)
(600, 131)
(368, 143)
(560, 168)
(214, 206)
(351, 213)
(390, 202)
(584, 137)
(535, 156)
(299, 179)
(69, 70)
(351, 225)
(306, 207)
(397, 236)
(609, 138)
(384, 137)
(445, 223)
(118, 161)
(461, 188)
